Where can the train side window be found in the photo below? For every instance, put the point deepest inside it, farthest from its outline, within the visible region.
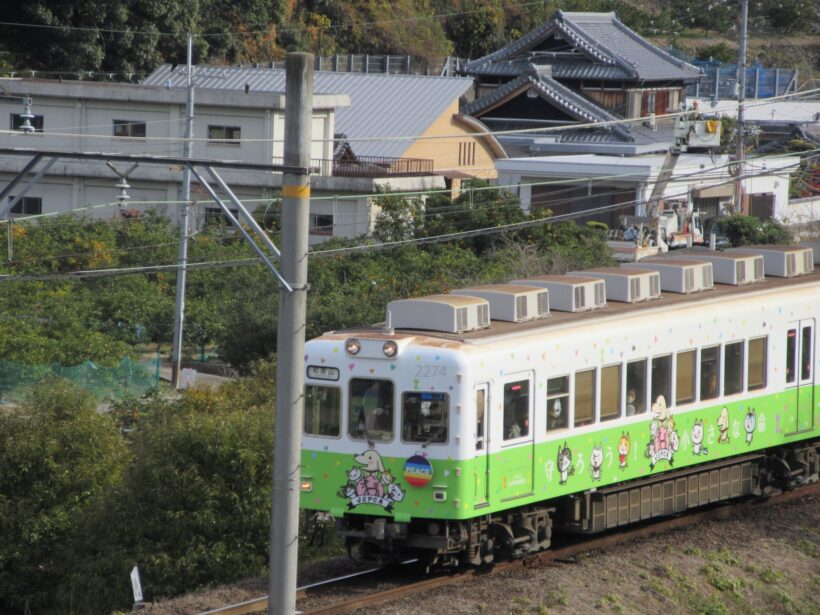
(636, 387)
(323, 411)
(685, 378)
(709, 372)
(370, 415)
(557, 403)
(610, 392)
(516, 409)
(791, 355)
(661, 379)
(733, 368)
(756, 366)
(584, 397)
(805, 354)
(424, 417)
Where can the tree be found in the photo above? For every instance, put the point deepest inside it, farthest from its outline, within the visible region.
(745, 230)
(57, 454)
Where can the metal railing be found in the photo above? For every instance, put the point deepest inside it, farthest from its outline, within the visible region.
(371, 166)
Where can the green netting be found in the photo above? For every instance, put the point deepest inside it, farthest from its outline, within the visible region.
(128, 378)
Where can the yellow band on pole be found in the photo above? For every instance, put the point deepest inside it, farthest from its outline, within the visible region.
(296, 192)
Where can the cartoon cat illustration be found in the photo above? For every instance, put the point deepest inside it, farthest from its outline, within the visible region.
(723, 426)
(749, 422)
(623, 450)
(697, 439)
(565, 464)
(596, 461)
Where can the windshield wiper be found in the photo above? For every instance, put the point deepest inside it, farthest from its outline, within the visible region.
(440, 431)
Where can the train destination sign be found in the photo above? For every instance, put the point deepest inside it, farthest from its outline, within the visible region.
(320, 372)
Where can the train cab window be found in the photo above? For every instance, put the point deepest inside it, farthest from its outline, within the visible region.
(636, 387)
(662, 379)
(756, 366)
(709, 372)
(610, 392)
(584, 397)
(733, 368)
(370, 415)
(424, 417)
(323, 411)
(685, 377)
(516, 409)
(791, 355)
(805, 354)
(557, 403)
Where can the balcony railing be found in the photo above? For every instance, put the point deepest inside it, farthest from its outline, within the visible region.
(371, 166)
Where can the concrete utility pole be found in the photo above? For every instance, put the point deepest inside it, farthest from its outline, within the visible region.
(182, 273)
(740, 196)
(290, 338)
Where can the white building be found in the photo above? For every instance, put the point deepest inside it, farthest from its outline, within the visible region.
(139, 119)
(567, 184)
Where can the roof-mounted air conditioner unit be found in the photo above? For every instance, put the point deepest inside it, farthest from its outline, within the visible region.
(447, 313)
(731, 267)
(679, 275)
(511, 302)
(570, 293)
(782, 261)
(626, 285)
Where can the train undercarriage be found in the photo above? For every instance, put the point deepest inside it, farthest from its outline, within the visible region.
(520, 531)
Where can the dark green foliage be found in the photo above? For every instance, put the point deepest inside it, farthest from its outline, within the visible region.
(747, 230)
(57, 455)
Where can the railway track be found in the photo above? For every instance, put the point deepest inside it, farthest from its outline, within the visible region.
(358, 598)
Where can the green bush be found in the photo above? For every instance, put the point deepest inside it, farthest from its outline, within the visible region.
(745, 230)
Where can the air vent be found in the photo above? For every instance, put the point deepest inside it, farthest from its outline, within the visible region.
(780, 261)
(677, 275)
(729, 267)
(628, 285)
(569, 293)
(510, 302)
(448, 313)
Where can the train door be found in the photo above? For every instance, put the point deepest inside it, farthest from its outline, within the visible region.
(515, 476)
(800, 372)
(482, 445)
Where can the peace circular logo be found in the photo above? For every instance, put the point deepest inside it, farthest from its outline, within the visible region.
(418, 471)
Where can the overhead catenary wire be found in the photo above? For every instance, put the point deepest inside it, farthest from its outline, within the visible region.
(516, 226)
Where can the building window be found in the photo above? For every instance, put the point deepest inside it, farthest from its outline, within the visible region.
(733, 368)
(685, 378)
(516, 409)
(756, 370)
(584, 397)
(321, 224)
(17, 121)
(27, 206)
(610, 392)
(228, 135)
(557, 403)
(129, 128)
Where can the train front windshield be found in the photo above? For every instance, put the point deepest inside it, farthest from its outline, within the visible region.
(370, 415)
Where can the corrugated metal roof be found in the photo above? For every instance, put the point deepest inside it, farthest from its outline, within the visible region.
(380, 105)
(602, 38)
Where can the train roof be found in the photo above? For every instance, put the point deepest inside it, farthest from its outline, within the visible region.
(558, 320)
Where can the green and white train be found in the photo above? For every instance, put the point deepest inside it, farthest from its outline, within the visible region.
(474, 424)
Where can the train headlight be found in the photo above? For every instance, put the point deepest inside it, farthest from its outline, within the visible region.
(390, 349)
(353, 346)
(306, 485)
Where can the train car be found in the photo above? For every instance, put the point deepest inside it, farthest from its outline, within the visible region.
(456, 437)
